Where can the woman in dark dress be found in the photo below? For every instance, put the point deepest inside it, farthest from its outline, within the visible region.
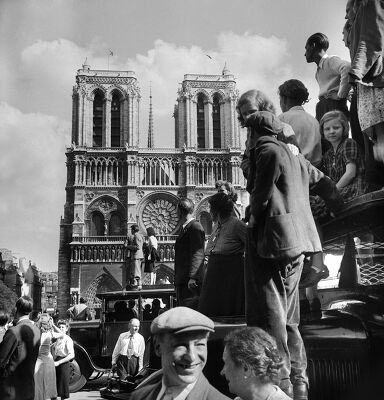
(150, 254)
(222, 293)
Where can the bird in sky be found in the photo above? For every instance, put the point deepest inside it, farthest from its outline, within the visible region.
(209, 56)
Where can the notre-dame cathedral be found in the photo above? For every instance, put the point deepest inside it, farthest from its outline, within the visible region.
(113, 183)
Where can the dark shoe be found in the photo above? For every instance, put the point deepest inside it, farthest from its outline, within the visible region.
(312, 277)
(300, 391)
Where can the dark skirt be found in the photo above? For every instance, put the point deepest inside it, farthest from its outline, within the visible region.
(222, 293)
(62, 379)
(149, 266)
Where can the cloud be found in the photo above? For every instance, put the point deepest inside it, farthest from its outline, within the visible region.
(32, 177)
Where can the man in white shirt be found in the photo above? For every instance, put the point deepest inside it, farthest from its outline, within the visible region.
(331, 75)
(293, 94)
(127, 356)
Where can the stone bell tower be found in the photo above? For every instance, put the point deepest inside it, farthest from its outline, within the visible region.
(100, 189)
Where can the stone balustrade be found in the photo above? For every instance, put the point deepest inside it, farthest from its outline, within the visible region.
(110, 249)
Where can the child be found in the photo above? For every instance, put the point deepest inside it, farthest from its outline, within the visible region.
(63, 353)
(342, 162)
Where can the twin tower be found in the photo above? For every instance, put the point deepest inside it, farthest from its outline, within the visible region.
(113, 181)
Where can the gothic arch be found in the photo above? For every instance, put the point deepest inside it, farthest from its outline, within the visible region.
(203, 206)
(203, 93)
(108, 206)
(94, 89)
(116, 89)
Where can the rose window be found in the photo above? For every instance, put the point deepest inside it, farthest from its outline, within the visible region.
(161, 215)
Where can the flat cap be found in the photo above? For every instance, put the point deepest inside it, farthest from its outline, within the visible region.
(264, 123)
(181, 319)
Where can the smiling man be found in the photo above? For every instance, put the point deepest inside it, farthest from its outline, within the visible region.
(180, 339)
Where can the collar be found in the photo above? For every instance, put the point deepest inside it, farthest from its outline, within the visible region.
(321, 62)
(187, 222)
(23, 318)
(177, 392)
(300, 108)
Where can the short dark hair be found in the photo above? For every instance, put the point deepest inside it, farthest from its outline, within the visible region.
(221, 204)
(230, 189)
(294, 89)
(320, 41)
(24, 305)
(186, 206)
(82, 300)
(255, 349)
(63, 322)
(131, 303)
(261, 100)
(135, 227)
(4, 317)
(151, 231)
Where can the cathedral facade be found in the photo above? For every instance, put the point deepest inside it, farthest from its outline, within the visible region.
(113, 183)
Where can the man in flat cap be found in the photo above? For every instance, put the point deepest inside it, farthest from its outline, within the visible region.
(180, 337)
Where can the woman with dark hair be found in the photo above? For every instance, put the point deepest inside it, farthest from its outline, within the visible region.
(252, 364)
(222, 293)
(293, 94)
(150, 254)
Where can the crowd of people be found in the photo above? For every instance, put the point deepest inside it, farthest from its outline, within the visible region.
(34, 355)
(299, 169)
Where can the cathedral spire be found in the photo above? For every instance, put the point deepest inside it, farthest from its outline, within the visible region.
(150, 124)
(225, 70)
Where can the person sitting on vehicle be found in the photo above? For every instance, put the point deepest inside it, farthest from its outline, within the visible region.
(180, 337)
(156, 307)
(147, 316)
(252, 364)
(122, 312)
(132, 311)
(79, 312)
(127, 356)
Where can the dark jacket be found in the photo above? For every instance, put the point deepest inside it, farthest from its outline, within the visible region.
(279, 187)
(201, 391)
(366, 43)
(189, 253)
(18, 354)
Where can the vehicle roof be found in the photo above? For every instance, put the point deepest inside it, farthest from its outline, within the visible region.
(125, 294)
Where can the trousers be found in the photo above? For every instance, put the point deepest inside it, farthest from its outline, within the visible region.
(272, 303)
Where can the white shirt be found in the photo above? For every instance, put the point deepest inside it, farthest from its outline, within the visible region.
(307, 132)
(187, 222)
(177, 392)
(121, 347)
(152, 242)
(64, 347)
(332, 77)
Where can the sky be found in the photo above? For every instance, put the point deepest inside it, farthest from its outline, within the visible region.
(44, 42)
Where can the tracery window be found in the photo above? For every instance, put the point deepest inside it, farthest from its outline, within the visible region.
(115, 120)
(98, 119)
(216, 122)
(200, 122)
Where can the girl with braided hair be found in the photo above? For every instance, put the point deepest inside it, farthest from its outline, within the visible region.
(252, 364)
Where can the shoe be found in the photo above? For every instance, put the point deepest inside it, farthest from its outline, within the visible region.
(312, 277)
(300, 391)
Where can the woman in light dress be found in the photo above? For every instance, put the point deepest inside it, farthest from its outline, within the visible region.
(45, 372)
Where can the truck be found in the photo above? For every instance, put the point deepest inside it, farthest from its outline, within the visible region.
(344, 336)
